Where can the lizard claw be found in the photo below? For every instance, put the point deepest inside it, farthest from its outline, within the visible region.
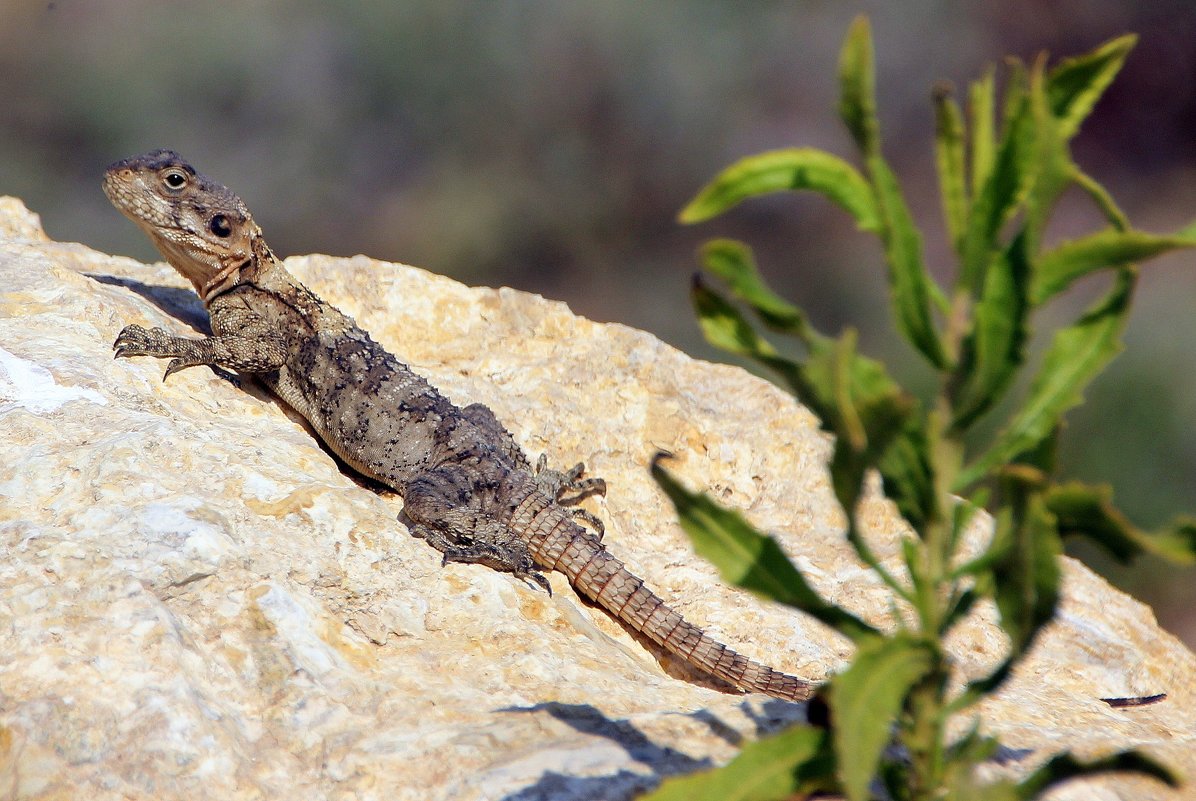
(526, 569)
(540, 579)
(174, 366)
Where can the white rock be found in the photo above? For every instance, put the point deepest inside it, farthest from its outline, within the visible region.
(196, 601)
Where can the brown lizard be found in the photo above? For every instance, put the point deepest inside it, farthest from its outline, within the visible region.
(467, 487)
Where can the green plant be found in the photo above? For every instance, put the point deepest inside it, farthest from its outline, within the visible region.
(998, 183)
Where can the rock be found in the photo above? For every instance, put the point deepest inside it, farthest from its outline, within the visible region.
(196, 601)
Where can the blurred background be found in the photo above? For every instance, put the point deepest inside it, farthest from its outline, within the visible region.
(548, 145)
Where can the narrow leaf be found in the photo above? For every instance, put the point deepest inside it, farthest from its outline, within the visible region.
(751, 560)
(1076, 355)
(724, 327)
(831, 384)
(794, 169)
(733, 262)
(1027, 580)
(855, 398)
(1059, 267)
(1089, 511)
(1014, 100)
(1054, 169)
(795, 761)
(1006, 183)
(995, 347)
(1103, 200)
(1077, 83)
(949, 158)
(875, 425)
(982, 122)
(910, 286)
(907, 475)
(857, 85)
(874, 401)
(865, 700)
(1065, 767)
(851, 425)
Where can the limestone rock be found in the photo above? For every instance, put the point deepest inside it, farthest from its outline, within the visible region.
(197, 602)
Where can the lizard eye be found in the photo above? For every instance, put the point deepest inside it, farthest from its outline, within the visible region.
(174, 179)
(220, 226)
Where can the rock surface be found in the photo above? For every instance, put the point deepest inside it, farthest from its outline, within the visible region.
(195, 601)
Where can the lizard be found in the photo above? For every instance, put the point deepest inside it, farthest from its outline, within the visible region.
(467, 488)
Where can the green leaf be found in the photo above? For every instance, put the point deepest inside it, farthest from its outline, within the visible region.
(865, 700)
(1014, 101)
(949, 158)
(910, 286)
(857, 85)
(1027, 578)
(857, 402)
(875, 424)
(749, 559)
(963, 512)
(796, 761)
(906, 472)
(1086, 510)
(845, 392)
(1006, 183)
(1054, 168)
(1058, 268)
(960, 779)
(995, 347)
(958, 609)
(1036, 168)
(724, 327)
(786, 170)
(1188, 232)
(1077, 83)
(1065, 767)
(1103, 200)
(733, 262)
(1076, 355)
(982, 121)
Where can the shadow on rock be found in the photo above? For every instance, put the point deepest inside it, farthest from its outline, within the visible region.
(662, 760)
(182, 304)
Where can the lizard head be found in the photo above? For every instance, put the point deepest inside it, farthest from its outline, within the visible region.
(201, 227)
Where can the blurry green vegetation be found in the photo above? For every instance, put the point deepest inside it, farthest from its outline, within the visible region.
(1003, 161)
(546, 144)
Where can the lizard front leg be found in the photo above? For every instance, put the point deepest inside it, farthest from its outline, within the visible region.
(245, 354)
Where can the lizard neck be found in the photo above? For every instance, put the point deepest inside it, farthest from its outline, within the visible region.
(238, 268)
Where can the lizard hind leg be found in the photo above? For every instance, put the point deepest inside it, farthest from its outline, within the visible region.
(567, 487)
(556, 484)
(453, 524)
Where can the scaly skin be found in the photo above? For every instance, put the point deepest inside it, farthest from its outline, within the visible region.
(467, 487)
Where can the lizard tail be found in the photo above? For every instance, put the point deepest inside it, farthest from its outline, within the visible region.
(602, 578)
